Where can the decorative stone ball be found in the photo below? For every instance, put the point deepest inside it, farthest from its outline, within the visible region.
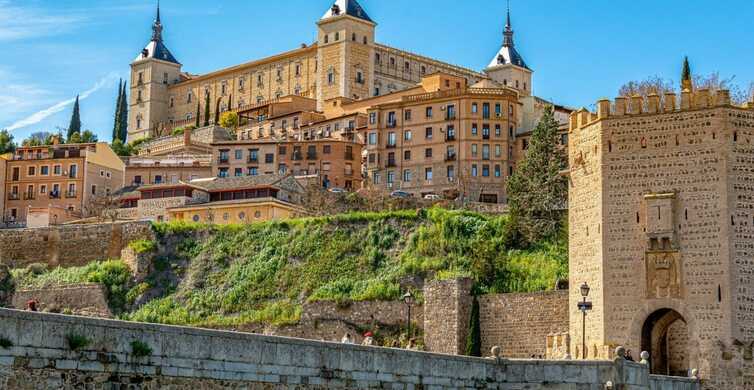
(694, 373)
(609, 385)
(620, 352)
(644, 357)
(496, 351)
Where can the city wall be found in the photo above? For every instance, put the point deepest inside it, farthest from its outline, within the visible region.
(69, 245)
(39, 354)
(84, 299)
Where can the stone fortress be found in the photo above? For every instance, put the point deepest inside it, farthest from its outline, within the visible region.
(662, 228)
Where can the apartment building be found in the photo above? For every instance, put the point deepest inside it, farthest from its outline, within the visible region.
(149, 170)
(64, 176)
(444, 138)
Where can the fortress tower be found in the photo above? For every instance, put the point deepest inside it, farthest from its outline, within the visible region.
(508, 67)
(151, 73)
(661, 223)
(345, 48)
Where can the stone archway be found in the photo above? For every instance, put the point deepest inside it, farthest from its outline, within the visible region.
(665, 336)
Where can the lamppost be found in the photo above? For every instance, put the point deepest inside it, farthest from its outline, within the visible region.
(584, 306)
(408, 299)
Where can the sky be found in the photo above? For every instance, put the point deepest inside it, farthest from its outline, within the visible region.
(580, 51)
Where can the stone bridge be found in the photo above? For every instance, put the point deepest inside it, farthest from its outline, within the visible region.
(50, 351)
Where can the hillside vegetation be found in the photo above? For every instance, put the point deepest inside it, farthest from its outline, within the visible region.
(232, 275)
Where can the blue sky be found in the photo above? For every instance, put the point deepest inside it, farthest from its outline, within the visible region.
(580, 50)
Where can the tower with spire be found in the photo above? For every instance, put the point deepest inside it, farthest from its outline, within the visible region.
(508, 66)
(345, 48)
(151, 72)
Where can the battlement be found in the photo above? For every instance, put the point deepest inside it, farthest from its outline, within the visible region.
(653, 104)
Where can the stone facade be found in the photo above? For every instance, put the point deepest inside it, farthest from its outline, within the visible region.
(364, 313)
(84, 300)
(521, 323)
(69, 245)
(40, 357)
(661, 229)
(447, 307)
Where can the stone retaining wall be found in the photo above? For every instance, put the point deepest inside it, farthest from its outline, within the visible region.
(184, 358)
(69, 245)
(364, 313)
(85, 299)
(520, 323)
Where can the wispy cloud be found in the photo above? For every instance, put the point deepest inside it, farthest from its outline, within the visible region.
(27, 22)
(39, 116)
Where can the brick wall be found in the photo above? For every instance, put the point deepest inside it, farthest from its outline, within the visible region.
(69, 245)
(520, 323)
(185, 358)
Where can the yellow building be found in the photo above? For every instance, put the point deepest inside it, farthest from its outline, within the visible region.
(344, 62)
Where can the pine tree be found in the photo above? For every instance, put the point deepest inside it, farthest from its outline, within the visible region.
(217, 111)
(116, 120)
(198, 113)
(123, 132)
(474, 338)
(75, 125)
(206, 109)
(536, 191)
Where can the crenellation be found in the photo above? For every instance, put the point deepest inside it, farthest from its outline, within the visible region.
(669, 103)
(620, 106)
(636, 105)
(686, 99)
(653, 103)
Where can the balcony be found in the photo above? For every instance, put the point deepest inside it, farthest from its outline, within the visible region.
(54, 195)
(390, 164)
(391, 124)
(296, 156)
(450, 157)
(450, 138)
(391, 146)
(451, 116)
(70, 194)
(14, 196)
(29, 196)
(253, 160)
(311, 156)
(223, 160)
(486, 136)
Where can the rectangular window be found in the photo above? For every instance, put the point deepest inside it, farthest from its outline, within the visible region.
(32, 171)
(485, 152)
(407, 175)
(428, 174)
(429, 112)
(238, 172)
(327, 149)
(451, 172)
(390, 177)
(94, 190)
(428, 133)
(485, 170)
(497, 171)
(407, 115)
(43, 189)
(486, 131)
(269, 158)
(474, 129)
(222, 172)
(44, 170)
(376, 178)
(474, 150)
(407, 155)
(372, 159)
(473, 170)
(372, 138)
(391, 121)
(56, 170)
(239, 154)
(391, 139)
(497, 130)
(498, 151)
(253, 171)
(498, 110)
(428, 152)
(281, 150)
(407, 135)
(474, 108)
(486, 110)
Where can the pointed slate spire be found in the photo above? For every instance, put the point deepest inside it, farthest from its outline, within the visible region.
(347, 7)
(156, 48)
(508, 33)
(157, 26)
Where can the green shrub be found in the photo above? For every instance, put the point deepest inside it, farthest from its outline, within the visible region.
(143, 246)
(136, 292)
(76, 341)
(140, 349)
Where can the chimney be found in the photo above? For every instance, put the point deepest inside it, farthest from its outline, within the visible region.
(187, 137)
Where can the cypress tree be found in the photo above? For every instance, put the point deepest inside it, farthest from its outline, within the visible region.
(206, 109)
(124, 115)
(198, 113)
(230, 102)
(75, 125)
(118, 103)
(474, 338)
(217, 111)
(536, 191)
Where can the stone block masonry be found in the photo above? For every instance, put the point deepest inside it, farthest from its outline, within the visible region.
(447, 308)
(520, 323)
(69, 245)
(84, 299)
(40, 357)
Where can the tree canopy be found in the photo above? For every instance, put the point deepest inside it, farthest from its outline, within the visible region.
(75, 125)
(6, 142)
(537, 192)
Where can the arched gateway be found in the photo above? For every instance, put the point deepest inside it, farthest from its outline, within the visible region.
(665, 336)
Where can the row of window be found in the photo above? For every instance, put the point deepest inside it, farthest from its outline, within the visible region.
(326, 167)
(44, 170)
(450, 134)
(450, 153)
(354, 38)
(253, 154)
(393, 65)
(429, 173)
(450, 113)
(53, 191)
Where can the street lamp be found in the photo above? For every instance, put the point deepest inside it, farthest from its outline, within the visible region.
(408, 299)
(584, 306)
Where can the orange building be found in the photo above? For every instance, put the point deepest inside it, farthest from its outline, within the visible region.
(67, 176)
